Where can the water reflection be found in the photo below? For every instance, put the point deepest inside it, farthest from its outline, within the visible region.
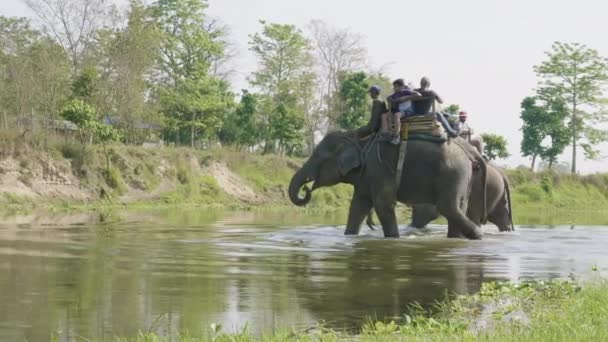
(381, 279)
(178, 271)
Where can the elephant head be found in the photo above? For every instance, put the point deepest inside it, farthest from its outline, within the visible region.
(502, 215)
(332, 162)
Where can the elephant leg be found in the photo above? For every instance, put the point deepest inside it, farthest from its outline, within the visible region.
(454, 232)
(458, 223)
(422, 214)
(360, 207)
(385, 210)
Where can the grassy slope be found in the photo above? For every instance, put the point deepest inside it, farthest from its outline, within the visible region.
(136, 170)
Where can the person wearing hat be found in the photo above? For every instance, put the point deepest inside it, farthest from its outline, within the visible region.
(378, 114)
(465, 131)
(463, 128)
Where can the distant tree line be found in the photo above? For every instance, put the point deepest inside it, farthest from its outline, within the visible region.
(163, 71)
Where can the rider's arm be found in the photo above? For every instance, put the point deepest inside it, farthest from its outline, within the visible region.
(438, 98)
(413, 96)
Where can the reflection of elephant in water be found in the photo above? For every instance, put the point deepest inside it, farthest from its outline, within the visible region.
(382, 279)
(498, 203)
(438, 174)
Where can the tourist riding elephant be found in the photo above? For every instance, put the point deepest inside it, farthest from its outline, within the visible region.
(498, 203)
(433, 173)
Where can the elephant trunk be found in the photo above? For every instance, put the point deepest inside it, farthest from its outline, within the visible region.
(298, 182)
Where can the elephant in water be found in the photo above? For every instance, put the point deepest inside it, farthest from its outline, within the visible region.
(438, 174)
(498, 203)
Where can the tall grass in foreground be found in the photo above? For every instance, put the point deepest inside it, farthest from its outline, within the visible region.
(537, 311)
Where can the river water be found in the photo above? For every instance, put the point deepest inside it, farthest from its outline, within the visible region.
(104, 275)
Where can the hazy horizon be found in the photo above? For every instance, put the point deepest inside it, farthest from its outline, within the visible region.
(479, 54)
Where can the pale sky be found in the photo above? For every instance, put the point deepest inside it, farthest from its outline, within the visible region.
(478, 53)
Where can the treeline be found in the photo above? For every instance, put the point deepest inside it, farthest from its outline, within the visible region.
(163, 71)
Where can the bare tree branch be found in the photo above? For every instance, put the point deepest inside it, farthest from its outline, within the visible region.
(338, 50)
(72, 23)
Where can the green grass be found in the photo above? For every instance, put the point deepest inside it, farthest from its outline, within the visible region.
(558, 198)
(530, 311)
(550, 190)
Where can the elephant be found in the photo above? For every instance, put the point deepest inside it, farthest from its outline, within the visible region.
(498, 203)
(433, 173)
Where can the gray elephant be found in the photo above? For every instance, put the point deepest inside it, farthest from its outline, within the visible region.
(433, 173)
(498, 203)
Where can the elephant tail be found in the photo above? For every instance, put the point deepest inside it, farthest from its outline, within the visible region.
(508, 193)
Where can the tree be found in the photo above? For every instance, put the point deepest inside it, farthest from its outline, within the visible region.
(353, 94)
(190, 97)
(286, 128)
(453, 109)
(71, 23)
(126, 58)
(533, 130)
(495, 146)
(33, 73)
(285, 67)
(187, 50)
(197, 106)
(246, 119)
(240, 125)
(574, 75)
(545, 133)
(82, 115)
(51, 70)
(340, 51)
(555, 131)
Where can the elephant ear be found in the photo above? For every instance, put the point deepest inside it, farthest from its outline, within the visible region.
(348, 160)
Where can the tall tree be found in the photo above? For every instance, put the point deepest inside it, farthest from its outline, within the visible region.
(285, 65)
(72, 23)
(187, 49)
(51, 69)
(533, 129)
(194, 109)
(339, 50)
(495, 146)
(241, 125)
(574, 75)
(126, 57)
(353, 95)
(190, 96)
(34, 75)
(311, 106)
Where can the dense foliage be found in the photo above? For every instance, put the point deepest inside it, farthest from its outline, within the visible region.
(162, 71)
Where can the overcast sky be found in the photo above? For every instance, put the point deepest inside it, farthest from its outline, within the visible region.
(478, 53)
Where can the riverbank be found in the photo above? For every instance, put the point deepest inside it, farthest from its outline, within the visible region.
(68, 176)
(533, 311)
(65, 175)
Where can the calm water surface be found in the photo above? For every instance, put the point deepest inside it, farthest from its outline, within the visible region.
(99, 276)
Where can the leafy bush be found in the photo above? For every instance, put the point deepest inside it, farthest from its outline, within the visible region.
(114, 179)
